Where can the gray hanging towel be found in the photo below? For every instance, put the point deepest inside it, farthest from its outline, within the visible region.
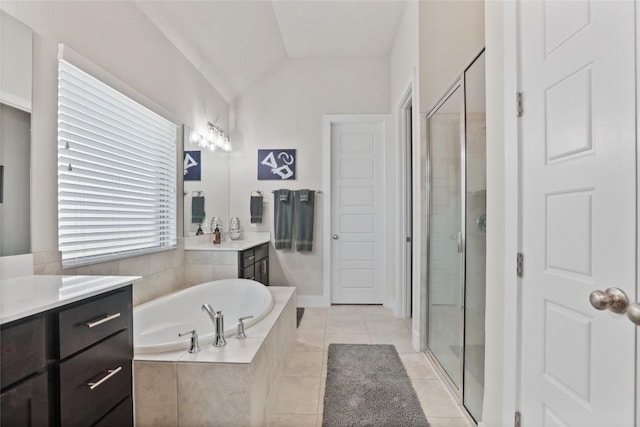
(197, 210)
(283, 219)
(304, 209)
(255, 208)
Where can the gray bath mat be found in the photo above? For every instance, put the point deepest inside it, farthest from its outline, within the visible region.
(367, 385)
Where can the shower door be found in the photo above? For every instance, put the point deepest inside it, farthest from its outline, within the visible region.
(457, 235)
(446, 255)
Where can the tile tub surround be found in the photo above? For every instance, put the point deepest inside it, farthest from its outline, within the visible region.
(233, 385)
(205, 261)
(162, 272)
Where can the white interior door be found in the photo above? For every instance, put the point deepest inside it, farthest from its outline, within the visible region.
(357, 211)
(578, 211)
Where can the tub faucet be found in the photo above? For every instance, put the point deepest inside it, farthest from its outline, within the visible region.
(218, 325)
(241, 335)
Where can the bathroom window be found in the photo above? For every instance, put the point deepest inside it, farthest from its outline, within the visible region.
(116, 173)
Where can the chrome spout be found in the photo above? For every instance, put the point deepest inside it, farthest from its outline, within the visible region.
(206, 307)
(218, 325)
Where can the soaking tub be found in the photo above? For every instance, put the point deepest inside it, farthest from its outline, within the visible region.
(156, 324)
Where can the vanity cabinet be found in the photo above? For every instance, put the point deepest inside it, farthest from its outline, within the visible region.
(70, 366)
(254, 264)
(24, 378)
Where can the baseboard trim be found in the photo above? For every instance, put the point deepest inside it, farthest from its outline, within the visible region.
(312, 301)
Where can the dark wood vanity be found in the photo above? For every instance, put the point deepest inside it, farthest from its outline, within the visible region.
(254, 264)
(71, 365)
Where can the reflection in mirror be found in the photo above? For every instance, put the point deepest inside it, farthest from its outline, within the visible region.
(445, 234)
(15, 136)
(206, 186)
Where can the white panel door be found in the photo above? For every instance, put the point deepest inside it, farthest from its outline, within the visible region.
(357, 211)
(578, 211)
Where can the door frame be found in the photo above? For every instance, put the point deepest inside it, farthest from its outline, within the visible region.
(510, 350)
(388, 178)
(405, 137)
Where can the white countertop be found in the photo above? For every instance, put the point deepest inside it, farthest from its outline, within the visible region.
(23, 296)
(233, 245)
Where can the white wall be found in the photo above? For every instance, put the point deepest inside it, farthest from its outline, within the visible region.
(495, 211)
(403, 65)
(284, 109)
(451, 33)
(15, 66)
(117, 37)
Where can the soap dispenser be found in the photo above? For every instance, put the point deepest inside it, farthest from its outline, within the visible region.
(216, 236)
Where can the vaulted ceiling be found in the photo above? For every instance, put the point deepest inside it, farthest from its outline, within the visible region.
(234, 42)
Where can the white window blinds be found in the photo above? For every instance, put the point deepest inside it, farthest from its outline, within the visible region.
(116, 173)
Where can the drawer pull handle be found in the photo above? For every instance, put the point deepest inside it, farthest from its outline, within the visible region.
(250, 257)
(110, 373)
(251, 278)
(103, 320)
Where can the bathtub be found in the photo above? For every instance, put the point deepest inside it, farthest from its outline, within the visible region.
(156, 324)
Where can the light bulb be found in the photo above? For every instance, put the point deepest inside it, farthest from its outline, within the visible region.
(202, 142)
(211, 135)
(227, 144)
(219, 139)
(212, 147)
(194, 137)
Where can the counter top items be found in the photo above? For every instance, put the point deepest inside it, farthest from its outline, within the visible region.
(234, 228)
(27, 295)
(216, 222)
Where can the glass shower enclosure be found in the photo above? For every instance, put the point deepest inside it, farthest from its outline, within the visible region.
(456, 167)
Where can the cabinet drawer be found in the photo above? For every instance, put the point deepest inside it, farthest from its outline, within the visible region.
(107, 368)
(22, 352)
(248, 257)
(26, 404)
(262, 251)
(120, 416)
(248, 273)
(88, 323)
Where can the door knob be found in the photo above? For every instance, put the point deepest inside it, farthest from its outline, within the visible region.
(633, 313)
(335, 237)
(613, 299)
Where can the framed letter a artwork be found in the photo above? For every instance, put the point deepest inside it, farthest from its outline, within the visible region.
(276, 164)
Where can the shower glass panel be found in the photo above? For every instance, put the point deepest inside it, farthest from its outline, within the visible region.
(475, 239)
(445, 235)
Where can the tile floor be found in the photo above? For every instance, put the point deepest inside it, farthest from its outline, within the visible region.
(300, 401)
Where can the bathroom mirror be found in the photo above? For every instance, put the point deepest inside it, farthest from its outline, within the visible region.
(206, 175)
(15, 136)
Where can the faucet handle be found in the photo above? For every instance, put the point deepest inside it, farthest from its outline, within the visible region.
(240, 334)
(195, 346)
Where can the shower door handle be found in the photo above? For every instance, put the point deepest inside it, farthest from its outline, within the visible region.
(459, 242)
(335, 237)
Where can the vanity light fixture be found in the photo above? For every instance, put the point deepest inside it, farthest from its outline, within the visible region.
(215, 139)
